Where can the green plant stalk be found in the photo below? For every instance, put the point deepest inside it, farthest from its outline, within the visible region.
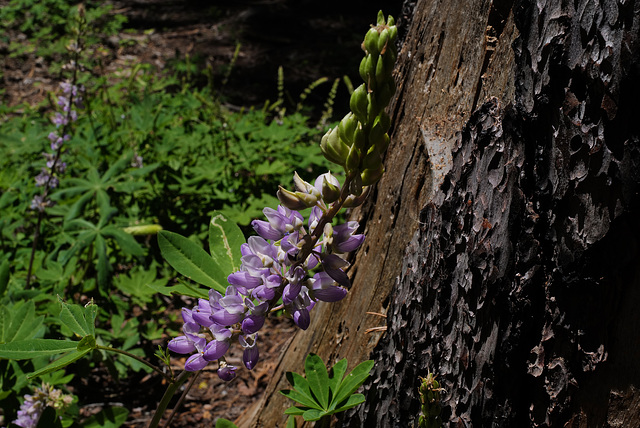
(169, 393)
(137, 358)
(47, 185)
(182, 397)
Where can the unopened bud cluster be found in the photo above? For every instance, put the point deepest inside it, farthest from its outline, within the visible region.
(360, 139)
(430, 403)
(291, 261)
(33, 406)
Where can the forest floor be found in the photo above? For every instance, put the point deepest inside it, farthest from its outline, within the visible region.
(269, 34)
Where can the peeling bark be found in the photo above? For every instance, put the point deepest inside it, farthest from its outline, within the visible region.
(502, 243)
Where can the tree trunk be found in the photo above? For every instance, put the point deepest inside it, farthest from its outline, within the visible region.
(502, 242)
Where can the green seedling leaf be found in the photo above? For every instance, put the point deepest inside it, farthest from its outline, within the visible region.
(19, 324)
(181, 289)
(300, 384)
(32, 348)
(87, 342)
(318, 379)
(4, 276)
(225, 423)
(291, 422)
(191, 261)
(338, 371)
(313, 415)
(110, 417)
(225, 239)
(353, 381)
(296, 411)
(61, 362)
(352, 401)
(79, 319)
(301, 398)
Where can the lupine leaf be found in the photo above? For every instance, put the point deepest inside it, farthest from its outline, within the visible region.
(191, 261)
(353, 380)
(301, 398)
(313, 414)
(291, 422)
(300, 384)
(61, 362)
(32, 348)
(4, 276)
(338, 371)
(225, 423)
(318, 379)
(296, 411)
(352, 401)
(79, 319)
(20, 324)
(126, 241)
(225, 239)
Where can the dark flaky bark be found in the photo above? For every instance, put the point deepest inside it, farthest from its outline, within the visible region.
(502, 243)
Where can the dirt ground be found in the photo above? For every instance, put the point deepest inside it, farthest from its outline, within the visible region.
(309, 40)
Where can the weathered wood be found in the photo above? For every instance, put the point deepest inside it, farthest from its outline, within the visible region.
(502, 243)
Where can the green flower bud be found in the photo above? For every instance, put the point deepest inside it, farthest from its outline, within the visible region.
(370, 69)
(381, 18)
(372, 159)
(358, 103)
(385, 92)
(393, 32)
(363, 68)
(333, 148)
(355, 187)
(347, 127)
(308, 199)
(304, 187)
(371, 176)
(290, 199)
(371, 41)
(353, 201)
(383, 40)
(359, 137)
(330, 192)
(381, 125)
(353, 160)
(382, 73)
(373, 107)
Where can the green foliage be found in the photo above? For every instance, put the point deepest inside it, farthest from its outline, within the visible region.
(320, 394)
(430, 407)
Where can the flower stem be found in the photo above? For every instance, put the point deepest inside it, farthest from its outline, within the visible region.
(169, 393)
(137, 358)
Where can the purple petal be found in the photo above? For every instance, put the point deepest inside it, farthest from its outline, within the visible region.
(227, 372)
(250, 357)
(252, 324)
(264, 229)
(302, 318)
(215, 350)
(350, 244)
(244, 279)
(181, 345)
(195, 362)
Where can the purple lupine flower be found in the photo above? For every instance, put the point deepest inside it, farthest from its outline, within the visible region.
(197, 361)
(323, 287)
(250, 355)
(344, 240)
(257, 314)
(230, 308)
(333, 266)
(226, 372)
(201, 313)
(33, 405)
(220, 345)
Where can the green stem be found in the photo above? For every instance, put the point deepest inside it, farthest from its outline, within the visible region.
(137, 358)
(169, 393)
(324, 422)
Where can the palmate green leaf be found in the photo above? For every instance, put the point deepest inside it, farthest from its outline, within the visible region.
(301, 398)
(338, 371)
(79, 319)
(296, 411)
(225, 239)
(353, 381)
(313, 415)
(126, 241)
(352, 401)
(225, 423)
(191, 261)
(4, 276)
(318, 379)
(182, 289)
(19, 322)
(61, 362)
(32, 348)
